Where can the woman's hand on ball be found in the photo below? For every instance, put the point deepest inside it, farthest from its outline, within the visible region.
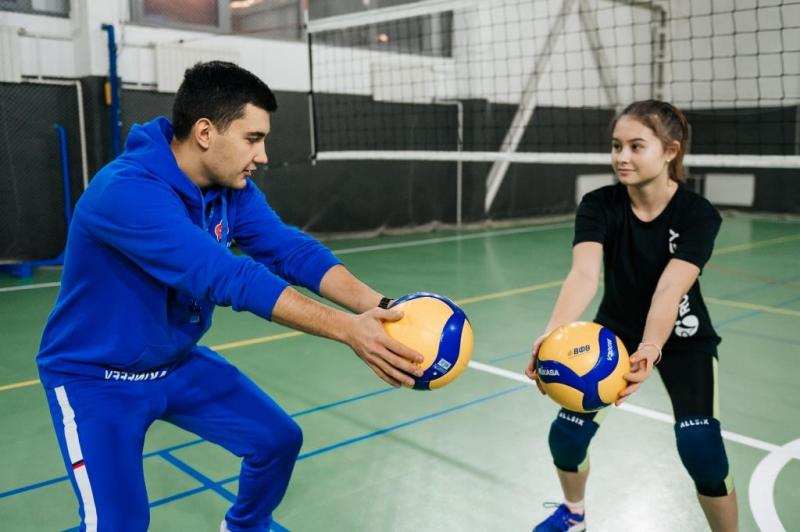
(642, 364)
(392, 361)
(530, 371)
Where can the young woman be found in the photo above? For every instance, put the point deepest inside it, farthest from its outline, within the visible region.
(653, 238)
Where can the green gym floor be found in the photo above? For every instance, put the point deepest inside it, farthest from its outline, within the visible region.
(471, 456)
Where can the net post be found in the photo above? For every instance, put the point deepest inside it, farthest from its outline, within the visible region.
(312, 128)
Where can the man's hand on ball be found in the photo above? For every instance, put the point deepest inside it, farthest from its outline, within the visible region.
(391, 361)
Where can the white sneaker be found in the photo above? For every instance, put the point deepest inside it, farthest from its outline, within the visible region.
(223, 526)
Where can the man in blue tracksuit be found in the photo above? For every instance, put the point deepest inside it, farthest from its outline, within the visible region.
(147, 260)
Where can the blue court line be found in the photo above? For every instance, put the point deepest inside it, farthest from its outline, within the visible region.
(42, 484)
(512, 355)
(30, 487)
(198, 476)
(171, 498)
(210, 484)
(761, 286)
(721, 325)
(396, 426)
(45, 483)
(391, 428)
(297, 414)
(217, 486)
(496, 359)
(344, 401)
(175, 497)
(207, 484)
(307, 411)
(171, 448)
(277, 527)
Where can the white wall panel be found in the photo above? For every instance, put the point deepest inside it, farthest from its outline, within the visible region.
(10, 69)
(172, 60)
(730, 189)
(48, 58)
(494, 49)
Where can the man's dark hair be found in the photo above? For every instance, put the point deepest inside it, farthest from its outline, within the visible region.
(219, 91)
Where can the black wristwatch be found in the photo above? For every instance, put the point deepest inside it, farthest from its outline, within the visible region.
(385, 302)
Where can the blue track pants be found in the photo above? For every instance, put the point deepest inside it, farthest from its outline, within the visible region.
(101, 426)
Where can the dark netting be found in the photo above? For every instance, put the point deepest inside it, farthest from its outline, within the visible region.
(139, 107)
(32, 224)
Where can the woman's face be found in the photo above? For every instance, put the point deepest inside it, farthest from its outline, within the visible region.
(637, 154)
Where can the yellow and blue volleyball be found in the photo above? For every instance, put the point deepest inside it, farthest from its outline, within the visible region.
(581, 366)
(439, 330)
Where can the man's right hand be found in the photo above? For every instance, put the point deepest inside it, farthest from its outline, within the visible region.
(530, 371)
(389, 359)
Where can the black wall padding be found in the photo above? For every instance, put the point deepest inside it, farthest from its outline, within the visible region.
(358, 195)
(346, 122)
(762, 131)
(32, 224)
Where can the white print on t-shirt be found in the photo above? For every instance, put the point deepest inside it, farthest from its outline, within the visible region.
(673, 236)
(687, 324)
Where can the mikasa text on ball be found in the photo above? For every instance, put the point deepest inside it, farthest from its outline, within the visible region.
(581, 366)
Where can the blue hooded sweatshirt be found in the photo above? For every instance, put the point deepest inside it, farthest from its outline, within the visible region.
(147, 260)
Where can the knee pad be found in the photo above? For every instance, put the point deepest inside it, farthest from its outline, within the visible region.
(703, 454)
(570, 435)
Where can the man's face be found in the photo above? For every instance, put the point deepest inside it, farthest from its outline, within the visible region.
(232, 155)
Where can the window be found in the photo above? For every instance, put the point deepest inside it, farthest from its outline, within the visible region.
(272, 19)
(202, 15)
(59, 8)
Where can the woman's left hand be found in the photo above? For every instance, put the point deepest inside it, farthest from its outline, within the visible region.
(642, 363)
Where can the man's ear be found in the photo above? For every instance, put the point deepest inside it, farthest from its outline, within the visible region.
(202, 131)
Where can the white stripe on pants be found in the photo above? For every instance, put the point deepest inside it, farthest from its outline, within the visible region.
(75, 457)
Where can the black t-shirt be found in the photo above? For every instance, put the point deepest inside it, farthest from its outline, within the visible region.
(635, 254)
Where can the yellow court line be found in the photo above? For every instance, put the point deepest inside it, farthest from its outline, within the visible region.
(744, 274)
(293, 334)
(218, 347)
(753, 245)
(753, 306)
(254, 341)
(22, 384)
(465, 301)
(509, 293)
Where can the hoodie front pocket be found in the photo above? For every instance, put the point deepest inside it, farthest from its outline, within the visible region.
(154, 356)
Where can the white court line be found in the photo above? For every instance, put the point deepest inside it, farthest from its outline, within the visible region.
(377, 247)
(762, 486)
(638, 410)
(28, 287)
(454, 238)
(762, 481)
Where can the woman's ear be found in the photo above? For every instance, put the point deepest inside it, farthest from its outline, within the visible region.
(672, 150)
